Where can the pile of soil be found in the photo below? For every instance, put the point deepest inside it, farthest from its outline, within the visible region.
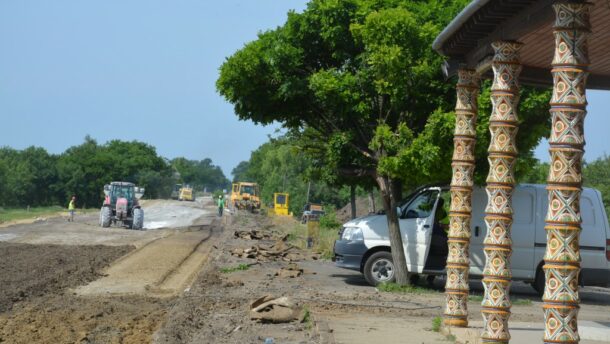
(28, 271)
(362, 209)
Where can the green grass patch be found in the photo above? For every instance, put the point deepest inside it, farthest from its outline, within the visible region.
(14, 214)
(522, 302)
(436, 324)
(475, 298)
(323, 242)
(307, 319)
(403, 289)
(240, 267)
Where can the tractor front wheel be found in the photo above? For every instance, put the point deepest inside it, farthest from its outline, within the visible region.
(138, 218)
(105, 217)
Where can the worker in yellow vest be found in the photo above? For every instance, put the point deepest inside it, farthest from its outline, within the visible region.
(72, 208)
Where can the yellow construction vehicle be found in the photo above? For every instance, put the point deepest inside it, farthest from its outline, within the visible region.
(186, 194)
(280, 203)
(245, 196)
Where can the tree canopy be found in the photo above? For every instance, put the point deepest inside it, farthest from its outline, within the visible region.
(363, 76)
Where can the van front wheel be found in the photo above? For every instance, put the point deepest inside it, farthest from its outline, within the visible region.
(539, 281)
(379, 268)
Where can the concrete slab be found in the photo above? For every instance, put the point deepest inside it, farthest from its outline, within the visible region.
(525, 332)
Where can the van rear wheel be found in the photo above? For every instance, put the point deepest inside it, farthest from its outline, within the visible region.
(379, 268)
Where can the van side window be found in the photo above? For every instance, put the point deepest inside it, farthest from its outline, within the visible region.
(422, 205)
(523, 205)
(586, 211)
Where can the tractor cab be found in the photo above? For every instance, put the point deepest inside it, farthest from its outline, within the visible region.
(121, 205)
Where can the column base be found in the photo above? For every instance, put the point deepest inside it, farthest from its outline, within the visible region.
(455, 322)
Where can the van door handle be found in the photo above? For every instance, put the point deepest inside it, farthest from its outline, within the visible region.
(426, 226)
(476, 231)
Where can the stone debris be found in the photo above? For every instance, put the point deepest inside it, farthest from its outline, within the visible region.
(256, 234)
(272, 309)
(292, 270)
(279, 250)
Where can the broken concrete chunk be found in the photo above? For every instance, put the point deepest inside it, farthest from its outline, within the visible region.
(275, 310)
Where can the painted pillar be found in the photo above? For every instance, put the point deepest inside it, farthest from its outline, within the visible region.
(456, 288)
(568, 109)
(503, 125)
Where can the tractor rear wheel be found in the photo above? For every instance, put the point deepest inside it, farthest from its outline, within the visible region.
(105, 216)
(138, 218)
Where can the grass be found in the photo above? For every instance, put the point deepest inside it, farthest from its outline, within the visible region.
(475, 298)
(14, 214)
(522, 302)
(404, 289)
(307, 320)
(240, 267)
(324, 239)
(436, 324)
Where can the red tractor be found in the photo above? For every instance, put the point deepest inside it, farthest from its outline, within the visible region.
(121, 204)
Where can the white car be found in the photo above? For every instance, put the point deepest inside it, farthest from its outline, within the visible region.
(364, 243)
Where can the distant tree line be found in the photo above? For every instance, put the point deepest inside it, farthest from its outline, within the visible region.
(35, 177)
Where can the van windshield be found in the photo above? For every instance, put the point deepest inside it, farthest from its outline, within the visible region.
(421, 205)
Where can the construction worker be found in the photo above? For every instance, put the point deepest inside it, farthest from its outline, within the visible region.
(221, 204)
(72, 208)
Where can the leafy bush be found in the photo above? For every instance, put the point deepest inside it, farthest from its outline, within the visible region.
(329, 219)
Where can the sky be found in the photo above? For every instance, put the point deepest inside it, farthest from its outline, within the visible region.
(146, 70)
(131, 70)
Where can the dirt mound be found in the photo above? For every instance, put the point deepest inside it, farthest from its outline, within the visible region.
(362, 209)
(28, 271)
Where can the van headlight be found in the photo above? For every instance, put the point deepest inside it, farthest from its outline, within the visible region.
(352, 233)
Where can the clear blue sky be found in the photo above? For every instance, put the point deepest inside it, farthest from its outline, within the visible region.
(145, 70)
(130, 70)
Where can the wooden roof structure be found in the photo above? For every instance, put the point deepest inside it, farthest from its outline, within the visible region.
(467, 39)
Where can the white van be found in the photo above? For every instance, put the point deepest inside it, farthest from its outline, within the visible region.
(364, 243)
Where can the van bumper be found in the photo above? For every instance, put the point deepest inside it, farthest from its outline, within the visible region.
(595, 277)
(348, 254)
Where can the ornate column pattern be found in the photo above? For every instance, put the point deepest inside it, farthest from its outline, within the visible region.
(503, 125)
(458, 262)
(568, 109)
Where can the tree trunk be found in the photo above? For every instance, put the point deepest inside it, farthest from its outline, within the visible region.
(387, 188)
(352, 200)
(372, 209)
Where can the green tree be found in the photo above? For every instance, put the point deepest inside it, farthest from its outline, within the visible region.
(26, 176)
(240, 172)
(200, 173)
(596, 174)
(363, 75)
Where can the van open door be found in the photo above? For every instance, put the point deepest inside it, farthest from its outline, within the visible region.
(416, 222)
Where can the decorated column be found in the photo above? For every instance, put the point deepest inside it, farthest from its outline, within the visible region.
(503, 125)
(568, 108)
(456, 288)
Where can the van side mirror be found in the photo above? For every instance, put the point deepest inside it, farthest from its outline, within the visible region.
(399, 212)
